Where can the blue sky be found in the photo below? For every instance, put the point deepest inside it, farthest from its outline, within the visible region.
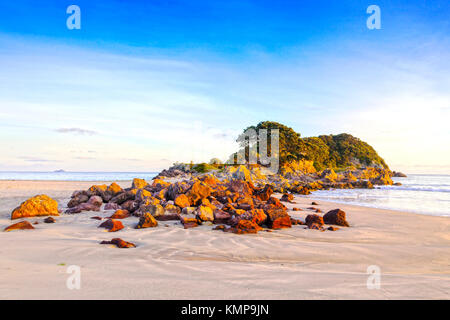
(144, 84)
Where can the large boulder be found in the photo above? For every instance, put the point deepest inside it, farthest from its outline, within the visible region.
(337, 217)
(41, 205)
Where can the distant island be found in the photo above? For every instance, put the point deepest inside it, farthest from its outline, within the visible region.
(60, 170)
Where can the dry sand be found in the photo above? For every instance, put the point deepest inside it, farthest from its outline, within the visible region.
(412, 252)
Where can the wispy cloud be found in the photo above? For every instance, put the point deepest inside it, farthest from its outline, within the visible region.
(77, 131)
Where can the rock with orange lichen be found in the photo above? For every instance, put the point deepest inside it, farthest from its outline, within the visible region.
(204, 213)
(264, 193)
(182, 201)
(277, 218)
(243, 227)
(120, 214)
(120, 243)
(23, 225)
(139, 183)
(147, 221)
(160, 184)
(114, 189)
(198, 191)
(41, 205)
(112, 225)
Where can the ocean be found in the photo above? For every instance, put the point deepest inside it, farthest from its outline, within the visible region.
(424, 194)
(419, 193)
(75, 176)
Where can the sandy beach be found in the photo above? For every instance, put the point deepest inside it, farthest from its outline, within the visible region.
(411, 250)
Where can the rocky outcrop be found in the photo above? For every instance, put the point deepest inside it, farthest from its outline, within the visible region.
(41, 205)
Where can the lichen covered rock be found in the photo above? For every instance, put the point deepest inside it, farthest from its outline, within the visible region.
(41, 205)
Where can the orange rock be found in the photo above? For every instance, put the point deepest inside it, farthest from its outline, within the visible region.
(41, 205)
(19, 226)
(147, 221)
(205, 213)
(120, 214)
(160, 184)
(296, 209)
(96, 187)
(314, 219)
(114, 188)
(198, 191)
(265, 193)
(182, 201)
(138, 183)
(244, 226)
(112, 225)
(287, 197)
(120, 243)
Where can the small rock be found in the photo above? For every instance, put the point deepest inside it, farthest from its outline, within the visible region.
(147, 221)
(49, 220)
(337, 217)
(19, 226)
(314, 219)
(120, 243)
(112, 225)
(120, 214)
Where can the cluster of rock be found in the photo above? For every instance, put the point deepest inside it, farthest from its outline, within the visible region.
(236, 199)
(300, 178)
(236, 204)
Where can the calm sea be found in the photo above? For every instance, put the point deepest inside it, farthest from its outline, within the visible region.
(425, 194)
(76, 176)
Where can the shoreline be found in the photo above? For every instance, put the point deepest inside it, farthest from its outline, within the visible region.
(174, 263)
(84, 184)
